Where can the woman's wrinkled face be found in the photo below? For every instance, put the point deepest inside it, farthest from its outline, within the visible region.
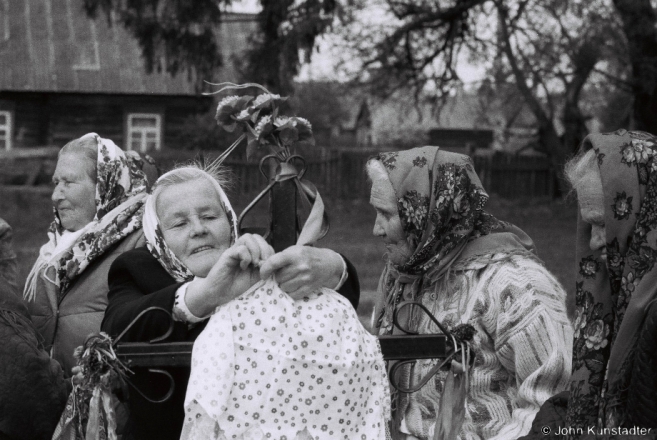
(591, 207)
(388, 224)
(74, 195)
(194, 224)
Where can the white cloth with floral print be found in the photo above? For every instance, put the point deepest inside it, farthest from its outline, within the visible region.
(267, 366)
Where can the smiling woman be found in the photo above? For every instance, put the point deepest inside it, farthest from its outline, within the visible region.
(197, 230)
(196, 264)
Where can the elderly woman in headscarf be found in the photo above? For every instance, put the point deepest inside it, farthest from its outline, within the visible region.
(612, 387)
(615, 178)
(195, 263)
(476, 275)
(98, 204)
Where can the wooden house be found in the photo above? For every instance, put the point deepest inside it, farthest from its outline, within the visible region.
(63, 75)
(356, 128)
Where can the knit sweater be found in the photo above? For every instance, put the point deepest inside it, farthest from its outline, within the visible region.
(522, 346)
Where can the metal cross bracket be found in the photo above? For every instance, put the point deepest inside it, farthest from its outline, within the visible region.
(153, 343)
(450, 349)
(408, 348)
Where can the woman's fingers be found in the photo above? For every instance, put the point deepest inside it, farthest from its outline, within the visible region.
(242, 253)
(266, 250)
(258, 248)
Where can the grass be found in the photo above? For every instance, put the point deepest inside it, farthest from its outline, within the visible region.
(551, 224)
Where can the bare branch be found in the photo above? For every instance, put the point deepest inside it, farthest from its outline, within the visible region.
(521, 81)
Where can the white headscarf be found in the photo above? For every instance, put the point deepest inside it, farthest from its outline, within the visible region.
(153, 232)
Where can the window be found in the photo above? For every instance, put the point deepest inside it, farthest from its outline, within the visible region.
(144, 131)
(5, 130)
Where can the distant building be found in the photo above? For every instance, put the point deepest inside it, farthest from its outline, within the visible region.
(355, 128)
(461, 140)
(463, 122)
(64, 75)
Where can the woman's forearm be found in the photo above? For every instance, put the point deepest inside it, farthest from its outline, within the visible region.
(202, 299)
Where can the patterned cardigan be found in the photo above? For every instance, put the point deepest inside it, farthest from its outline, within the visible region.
(522, 347)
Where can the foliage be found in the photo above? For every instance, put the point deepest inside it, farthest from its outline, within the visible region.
(548, 50)
(323, 103)
(173, 35)
(288, 28)
(201, 133)
(177, 36)
(639, 21)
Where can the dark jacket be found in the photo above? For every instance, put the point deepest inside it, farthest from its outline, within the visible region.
(32, 387)
(137, 281)
(642, 392)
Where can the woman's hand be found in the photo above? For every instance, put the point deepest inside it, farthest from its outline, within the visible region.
(301, 270)
(233, 274)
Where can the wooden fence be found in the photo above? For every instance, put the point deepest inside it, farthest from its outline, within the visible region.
(338, 174)
(341, 175)
(514, 176)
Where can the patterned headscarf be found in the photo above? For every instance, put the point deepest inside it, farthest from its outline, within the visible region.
(153, 231)
(121, 188)
(611, 299)
(440, 202)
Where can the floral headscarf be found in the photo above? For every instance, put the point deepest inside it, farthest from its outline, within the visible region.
(121, 188)
(440, 202)
(611, 298)
(153, 232)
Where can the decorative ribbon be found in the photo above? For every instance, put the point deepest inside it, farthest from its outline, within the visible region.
(317, 223)
(89, 412)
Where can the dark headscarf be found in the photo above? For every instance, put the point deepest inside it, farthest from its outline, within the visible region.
(440, 201)
(611, 298)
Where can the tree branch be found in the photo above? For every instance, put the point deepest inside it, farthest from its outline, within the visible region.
(521, 81)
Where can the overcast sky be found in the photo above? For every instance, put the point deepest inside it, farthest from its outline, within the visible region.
(323, 63)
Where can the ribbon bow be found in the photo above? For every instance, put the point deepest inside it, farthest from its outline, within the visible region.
(317, 223)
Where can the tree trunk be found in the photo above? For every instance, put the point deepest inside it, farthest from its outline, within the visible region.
(548, 137)
(585, 58)
(639, 20)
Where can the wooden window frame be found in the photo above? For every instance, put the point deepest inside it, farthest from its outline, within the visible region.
(157, 130)
(9, 127)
